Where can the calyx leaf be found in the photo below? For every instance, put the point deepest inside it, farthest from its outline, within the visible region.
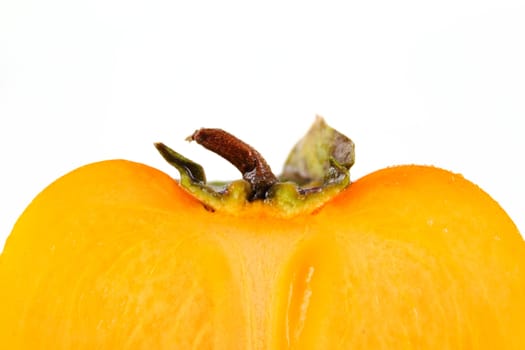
(321, 156)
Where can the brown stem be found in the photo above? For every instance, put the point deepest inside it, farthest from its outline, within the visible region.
(250, 163)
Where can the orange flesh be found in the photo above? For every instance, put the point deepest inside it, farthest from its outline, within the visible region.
(116, 255)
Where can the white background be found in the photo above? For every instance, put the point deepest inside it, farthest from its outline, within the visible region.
(430, 82)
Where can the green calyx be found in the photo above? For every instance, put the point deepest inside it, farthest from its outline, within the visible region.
(317, 168)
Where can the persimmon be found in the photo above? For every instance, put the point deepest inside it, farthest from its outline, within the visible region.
(118, 255)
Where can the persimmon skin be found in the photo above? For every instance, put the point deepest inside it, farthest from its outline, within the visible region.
(117, 255)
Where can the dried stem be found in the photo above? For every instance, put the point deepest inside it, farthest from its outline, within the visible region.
(245, 158)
